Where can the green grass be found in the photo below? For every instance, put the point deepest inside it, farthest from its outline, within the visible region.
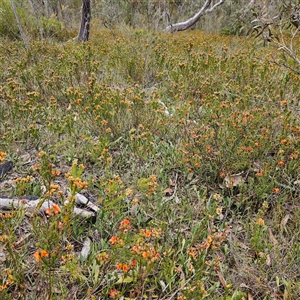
(161, 125)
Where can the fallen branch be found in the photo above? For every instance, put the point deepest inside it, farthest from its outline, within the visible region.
(36, 205)
(80, 199)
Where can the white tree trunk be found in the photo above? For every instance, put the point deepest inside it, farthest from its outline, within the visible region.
(46, 8)
(207, 7)
(23, 36)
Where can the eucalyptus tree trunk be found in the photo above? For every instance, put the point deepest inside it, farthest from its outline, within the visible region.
(207, 7)
(23, 36)
(84, 31)
(46, 8)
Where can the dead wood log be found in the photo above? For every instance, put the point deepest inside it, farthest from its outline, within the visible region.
(34, 204)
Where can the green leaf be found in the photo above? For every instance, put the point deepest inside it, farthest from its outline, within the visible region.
(124, 279)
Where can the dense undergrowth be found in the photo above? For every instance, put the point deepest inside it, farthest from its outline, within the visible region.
(189, 143)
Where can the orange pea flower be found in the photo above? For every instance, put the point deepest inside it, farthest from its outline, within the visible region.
(125, 225)
(44, 253)
(113, 240)
(125, 268)
(56, 208)
(39, 254)
(113, 294)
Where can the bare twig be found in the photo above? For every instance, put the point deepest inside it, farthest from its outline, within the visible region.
(6, 49)
(179, 289)
(285, 66)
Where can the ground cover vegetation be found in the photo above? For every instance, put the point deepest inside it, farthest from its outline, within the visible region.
(189, 145)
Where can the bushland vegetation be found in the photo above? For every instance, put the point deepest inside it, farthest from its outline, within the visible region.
(188, 144)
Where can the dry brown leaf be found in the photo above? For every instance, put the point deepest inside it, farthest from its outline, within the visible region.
(242, 245)
(2, 254)
(21, 240)
(233, 180)
(26, 158)
(284, 221)
(2, 257)
(272, 237)
(177, 200)
(168, 192)
(243, 285)
(222, 280)
(172, 183)
(268, 260)
(257, 167)
(190, 176)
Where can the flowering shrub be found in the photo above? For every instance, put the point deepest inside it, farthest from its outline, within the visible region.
(187, 143)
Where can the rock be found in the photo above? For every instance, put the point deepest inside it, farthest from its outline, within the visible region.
(5, 168)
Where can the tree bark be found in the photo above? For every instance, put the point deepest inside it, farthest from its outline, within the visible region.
(23, 36)
(84, 31)
(46, 8)
(193, 20)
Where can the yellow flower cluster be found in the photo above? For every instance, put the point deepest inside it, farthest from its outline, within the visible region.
(23, 179)
(9, 279)
(2, 156)
(152, 185)
(77, 182)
